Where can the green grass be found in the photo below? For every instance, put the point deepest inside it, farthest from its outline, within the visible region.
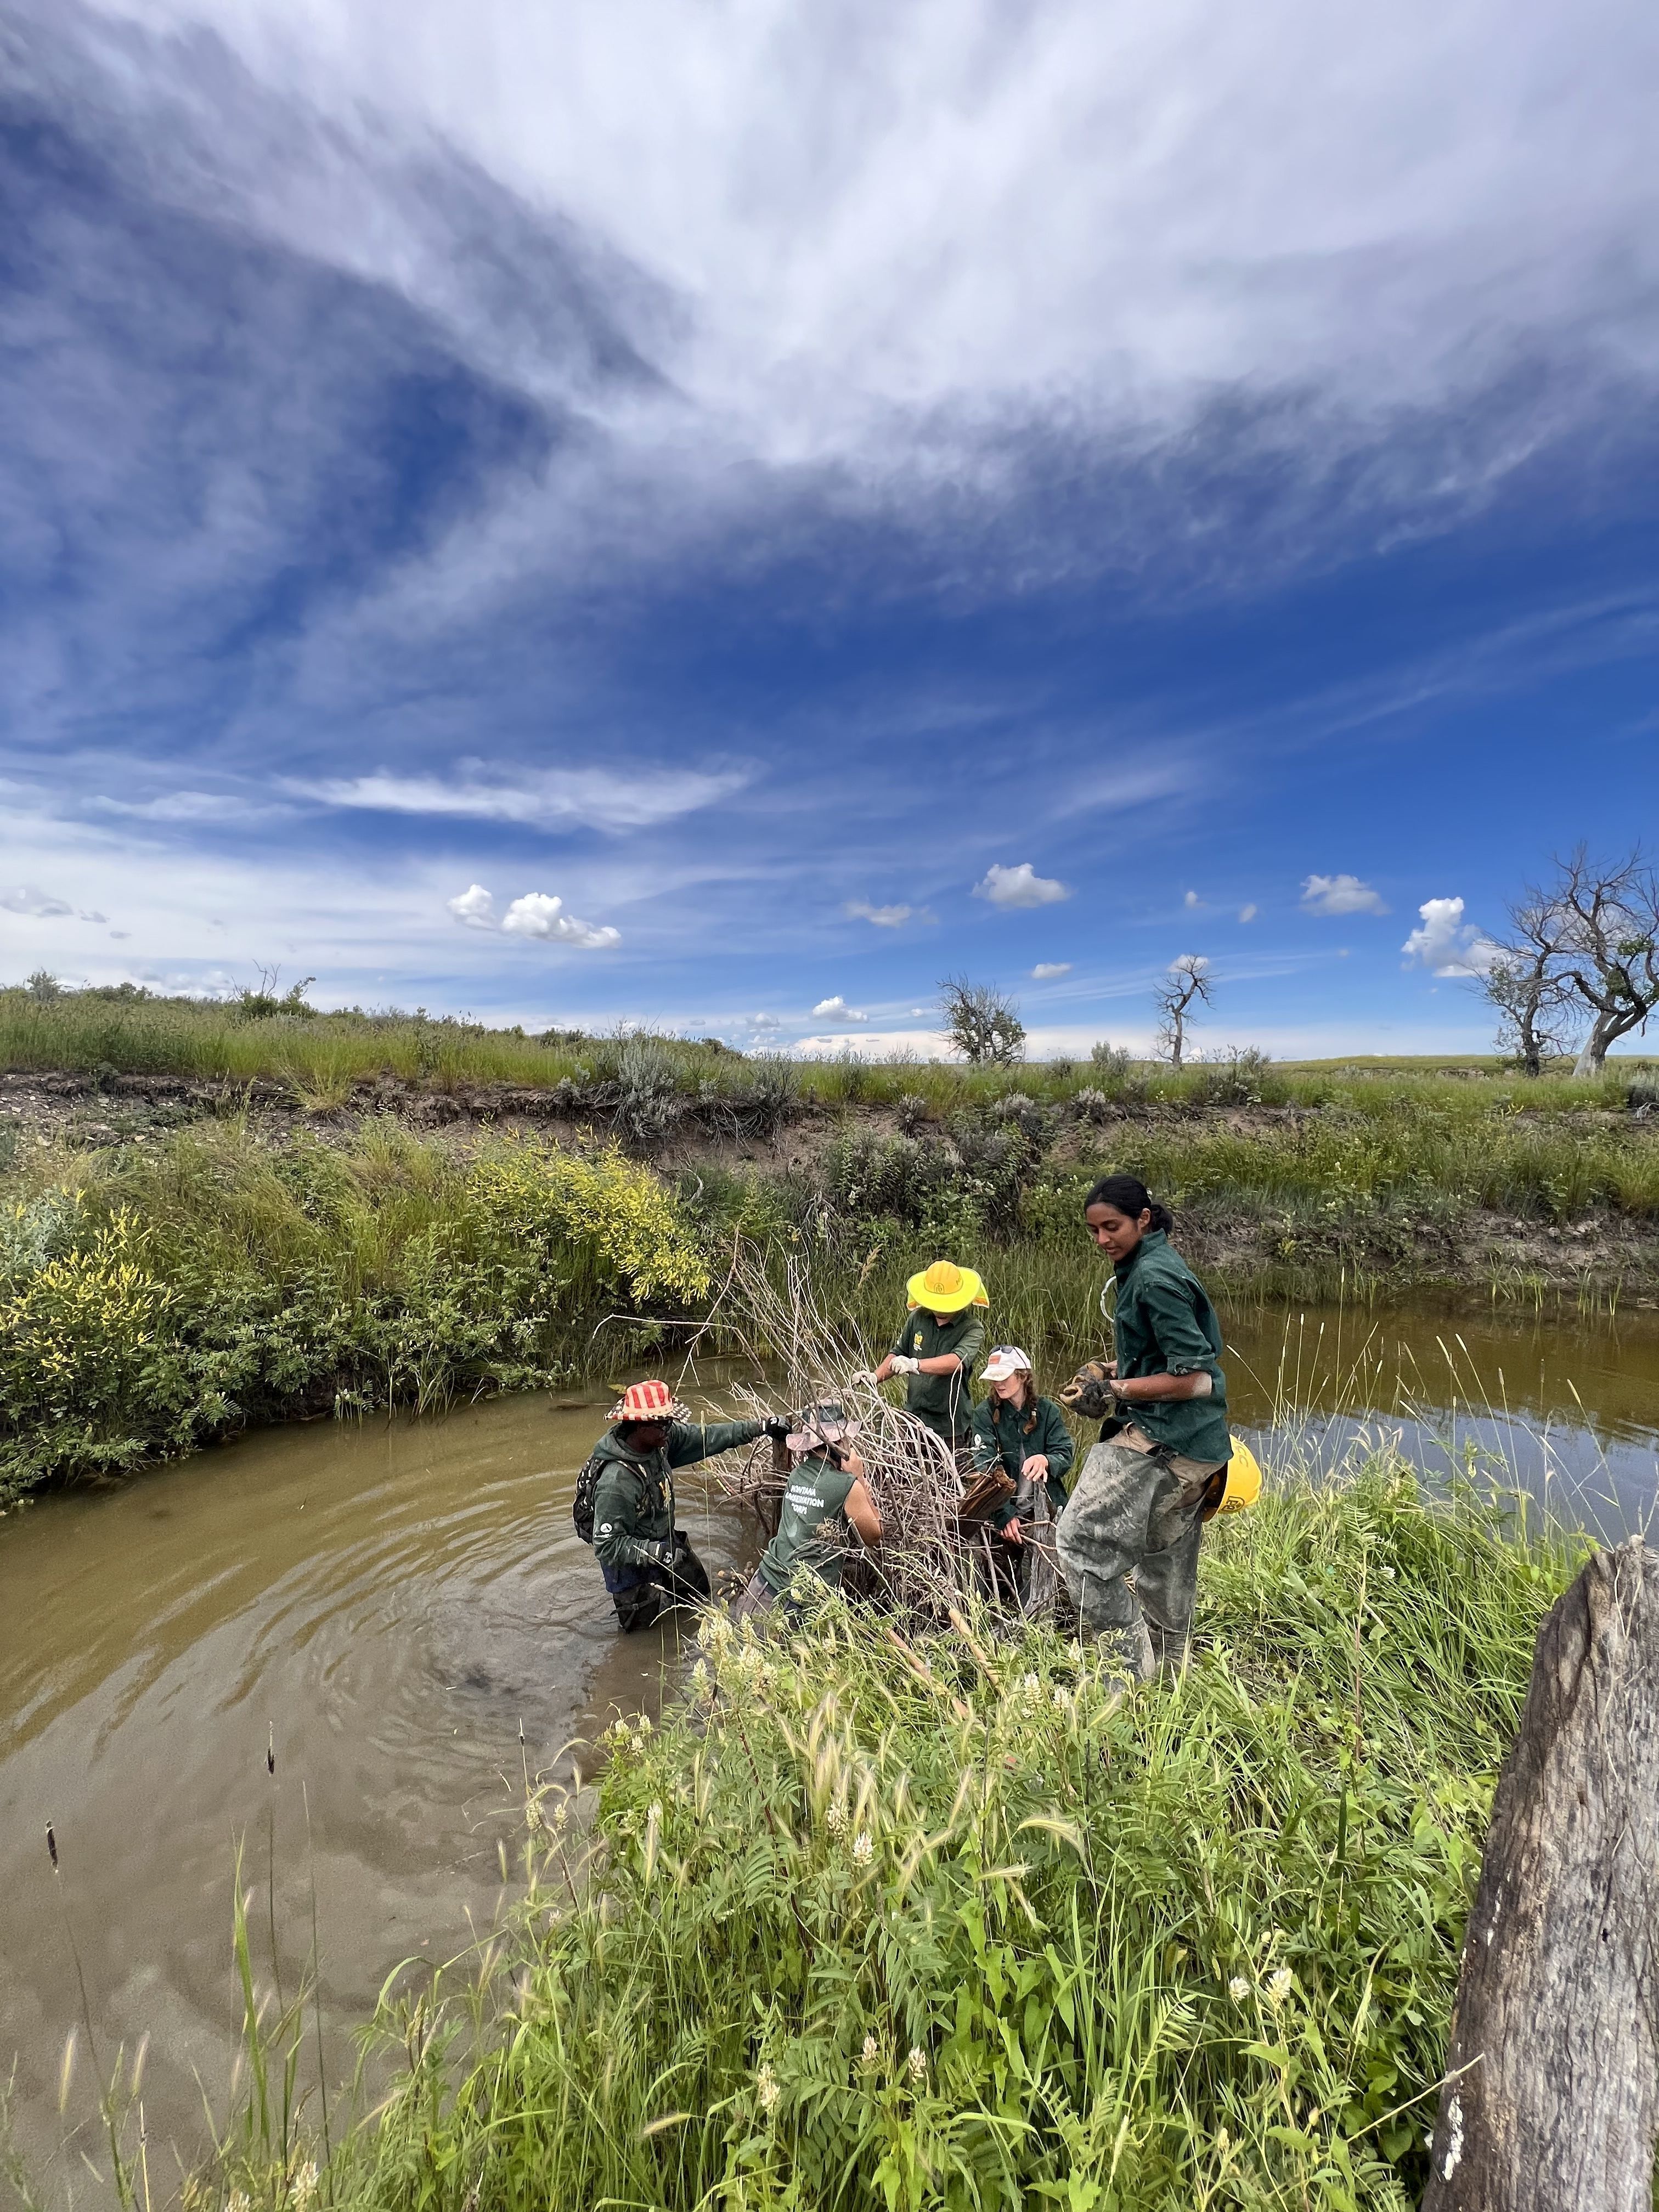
(155, 1298)
(323, 1055)
(953, 1925)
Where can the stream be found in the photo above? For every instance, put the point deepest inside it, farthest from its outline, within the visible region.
(387, 1606)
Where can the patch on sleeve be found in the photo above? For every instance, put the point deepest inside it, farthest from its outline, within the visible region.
(604, 1527)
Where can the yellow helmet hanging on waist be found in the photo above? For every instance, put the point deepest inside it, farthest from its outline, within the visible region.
(1244, 1479)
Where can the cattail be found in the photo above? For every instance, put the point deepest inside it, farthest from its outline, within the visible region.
(270, 1747)
(52, 1846)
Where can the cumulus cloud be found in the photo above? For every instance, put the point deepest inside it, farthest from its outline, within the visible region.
(1446, 945)
(1046, 968)
(838, 1009)
(1019, 886)
(1247, 913)
(539, 915)
(1332, 895)
(474, 907)
(885, 917)
(1192, 899)
(555, 799)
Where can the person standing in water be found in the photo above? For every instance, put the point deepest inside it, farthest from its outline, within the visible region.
(825, 1499)
(1160, 1469)
(937, 1348)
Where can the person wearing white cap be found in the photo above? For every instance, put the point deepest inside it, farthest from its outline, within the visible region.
(1028, 1435)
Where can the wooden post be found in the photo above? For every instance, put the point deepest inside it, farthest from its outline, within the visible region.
(1551, 2093)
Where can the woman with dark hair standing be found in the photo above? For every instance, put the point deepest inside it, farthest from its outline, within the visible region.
(1160, 1468)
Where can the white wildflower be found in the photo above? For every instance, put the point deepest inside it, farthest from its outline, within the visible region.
(1031, 1688)
(1280, 1985)
(766, 2087)
(305, 2184)
(917, 2062)
(863, 1849)
(239, 2201)
(700, 1683)
(834, 1817)
(653, 1811)
(1062, 1702)
(644, 1724)
(870, 2052)
(1238, 1989)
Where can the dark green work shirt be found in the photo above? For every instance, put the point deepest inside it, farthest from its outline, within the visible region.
(634, 1496)
(1167, 1326)
(813, 1526)
(999, 1433)
(942, 1403)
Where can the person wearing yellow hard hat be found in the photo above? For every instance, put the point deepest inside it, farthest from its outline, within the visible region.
(936, 1350)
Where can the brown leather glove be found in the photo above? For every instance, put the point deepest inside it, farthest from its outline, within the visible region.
(1089, 1392)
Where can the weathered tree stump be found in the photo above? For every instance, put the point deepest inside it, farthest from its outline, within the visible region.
(1552, 2094)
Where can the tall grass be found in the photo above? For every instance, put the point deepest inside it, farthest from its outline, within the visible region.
(958, 1922)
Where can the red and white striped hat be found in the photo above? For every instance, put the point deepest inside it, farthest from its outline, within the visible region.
(649, 1401)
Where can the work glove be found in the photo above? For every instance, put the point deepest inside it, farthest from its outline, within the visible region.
(903, 1364)
(1089, 1394)
(866, 1374)
(776, 1428)
(661, 1555)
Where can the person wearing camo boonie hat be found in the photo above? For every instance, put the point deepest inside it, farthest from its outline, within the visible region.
(936, 1350)
(824, 1500)
(648, 1564)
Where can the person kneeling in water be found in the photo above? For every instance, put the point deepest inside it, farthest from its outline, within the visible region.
(648, 1564)
(825, 1498)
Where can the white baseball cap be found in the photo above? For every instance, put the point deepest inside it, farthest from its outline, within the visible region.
(1007, 1359)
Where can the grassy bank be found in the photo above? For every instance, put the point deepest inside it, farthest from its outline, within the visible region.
(152, 1299)
(951, 1924)
(163, 1286)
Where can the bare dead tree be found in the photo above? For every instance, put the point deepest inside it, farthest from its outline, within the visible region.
(982, 1024)
(1536, 1004)
(1189, 981)
(1609, 926)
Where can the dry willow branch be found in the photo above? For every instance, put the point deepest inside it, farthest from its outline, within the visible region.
(926, 1562)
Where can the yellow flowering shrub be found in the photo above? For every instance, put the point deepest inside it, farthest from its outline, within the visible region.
(622, 1214)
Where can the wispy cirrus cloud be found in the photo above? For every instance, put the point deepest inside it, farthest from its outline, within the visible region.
(552, 798)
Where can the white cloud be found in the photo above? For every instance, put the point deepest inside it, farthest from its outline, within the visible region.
(838, 1009)
(25, 898)
(205, 807)
(1019, 886)
(1192, 899)
(1446, 945)
(885, 917)
(555, 799)
(537, 914)
(1247, 913)
(1046, 968)
(474, 907)
(1331, 895)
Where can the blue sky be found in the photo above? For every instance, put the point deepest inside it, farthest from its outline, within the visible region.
(719, 517)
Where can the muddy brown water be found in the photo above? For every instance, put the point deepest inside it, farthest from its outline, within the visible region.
(387, 1605)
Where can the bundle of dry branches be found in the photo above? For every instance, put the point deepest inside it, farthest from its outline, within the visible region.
(927, 1560)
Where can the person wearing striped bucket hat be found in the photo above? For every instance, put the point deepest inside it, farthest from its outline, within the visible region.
(625, 1495)
(943, 1337)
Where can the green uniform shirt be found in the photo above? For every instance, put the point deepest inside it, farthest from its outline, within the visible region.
(812, 1525)
(1167, 1326)
(634, 1496)
(999, 1433)
(944, 1403)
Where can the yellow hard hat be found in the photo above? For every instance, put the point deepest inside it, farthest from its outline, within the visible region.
(946, 1288)
(1244, 1479)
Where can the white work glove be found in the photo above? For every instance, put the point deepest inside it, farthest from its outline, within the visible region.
(903, 1364)
(866, 1374)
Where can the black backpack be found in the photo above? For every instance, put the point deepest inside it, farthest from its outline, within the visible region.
(581, 1506)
